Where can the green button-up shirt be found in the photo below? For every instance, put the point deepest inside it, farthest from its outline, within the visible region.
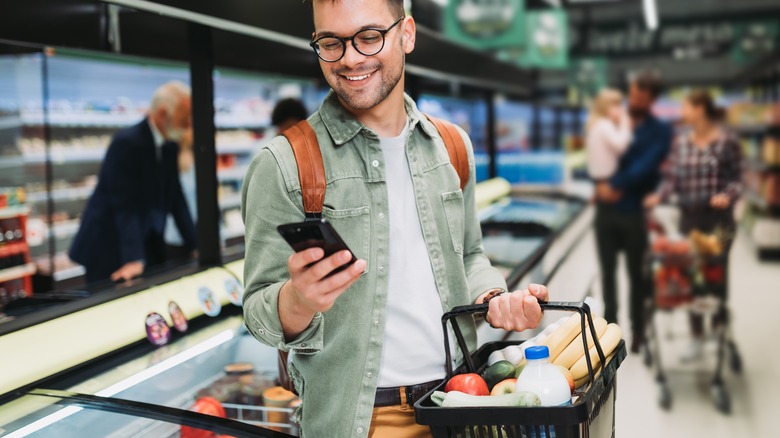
(335, 361)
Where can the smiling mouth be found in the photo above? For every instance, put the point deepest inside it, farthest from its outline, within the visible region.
(358, 78)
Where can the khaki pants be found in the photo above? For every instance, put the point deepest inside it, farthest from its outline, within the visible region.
(397, 422)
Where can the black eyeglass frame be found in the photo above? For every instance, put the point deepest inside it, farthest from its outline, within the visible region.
(315, 43)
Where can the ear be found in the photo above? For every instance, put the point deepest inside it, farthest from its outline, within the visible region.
(410, 34)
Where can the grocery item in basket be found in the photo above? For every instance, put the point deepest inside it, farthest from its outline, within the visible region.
(567, 374)
(498, 372)
(457, 399)
(208, 406)
(470, 383)
(558, 340)
(575, 350)
(543, 378)
(506, 386)
(609, 342)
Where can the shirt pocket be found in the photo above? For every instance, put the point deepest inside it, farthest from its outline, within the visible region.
(352, 224)
(454, 211)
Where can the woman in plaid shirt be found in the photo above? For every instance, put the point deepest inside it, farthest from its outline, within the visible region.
(704, 178)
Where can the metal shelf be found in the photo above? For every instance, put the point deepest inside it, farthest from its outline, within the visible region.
(17, 272)
(63, 194)
(232, 174)
(9, 212)
(8, 122)
(230, 201)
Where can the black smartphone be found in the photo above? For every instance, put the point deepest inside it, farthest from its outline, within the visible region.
(319, 233)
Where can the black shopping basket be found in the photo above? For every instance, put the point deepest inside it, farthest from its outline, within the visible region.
(591, 414)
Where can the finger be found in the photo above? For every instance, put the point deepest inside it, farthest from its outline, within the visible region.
(300, 260)
(539, 291)
(518, 311)
(341, 279)
(532, 312)
(505, 304)
(322, 268)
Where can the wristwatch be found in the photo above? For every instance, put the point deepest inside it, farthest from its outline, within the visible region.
(492, 293)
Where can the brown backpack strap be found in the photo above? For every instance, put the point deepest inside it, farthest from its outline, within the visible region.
(456, 147)
(311, 170)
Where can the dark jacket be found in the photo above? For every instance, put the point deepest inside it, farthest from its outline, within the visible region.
(125, 218)
(639, 172)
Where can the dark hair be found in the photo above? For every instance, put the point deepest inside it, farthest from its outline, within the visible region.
(396, 6)
(649, 81)
(287, 109)
(702, 98)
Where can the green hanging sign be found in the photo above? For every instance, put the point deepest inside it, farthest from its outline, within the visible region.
(486, 24)
(547, 39)
(588, 75)
(754, 40)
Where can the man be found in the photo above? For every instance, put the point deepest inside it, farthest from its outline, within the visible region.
(122, 228)
(620, 219)
(287, 113)
(367, 341)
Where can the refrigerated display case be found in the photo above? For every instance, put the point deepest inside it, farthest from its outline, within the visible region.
(59, 110)
(469, 114)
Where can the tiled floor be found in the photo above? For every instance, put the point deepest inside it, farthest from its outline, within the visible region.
(755, 305)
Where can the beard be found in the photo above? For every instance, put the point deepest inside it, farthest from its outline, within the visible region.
(638, 112)
(175, 134)
(371, 96)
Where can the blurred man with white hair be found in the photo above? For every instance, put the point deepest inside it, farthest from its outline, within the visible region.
(122, 228)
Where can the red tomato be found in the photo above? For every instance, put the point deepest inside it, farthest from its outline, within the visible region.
(470, 383)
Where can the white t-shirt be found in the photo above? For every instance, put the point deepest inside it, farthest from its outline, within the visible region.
(605, 144)
(413, 347)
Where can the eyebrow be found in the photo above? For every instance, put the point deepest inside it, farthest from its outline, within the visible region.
(326, 33)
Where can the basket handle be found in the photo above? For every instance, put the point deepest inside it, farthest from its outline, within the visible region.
(580, 307)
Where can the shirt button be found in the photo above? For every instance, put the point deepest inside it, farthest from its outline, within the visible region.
(381, 268)
(303, 345)
(368, 374)
(381, 215)
(261, 331)
(375, 163)
(376, 322)
(359, 430)
(435, 255)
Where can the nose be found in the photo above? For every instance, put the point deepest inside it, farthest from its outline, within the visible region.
(351, 56)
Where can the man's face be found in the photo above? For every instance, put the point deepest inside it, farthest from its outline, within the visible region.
(640, 101)
(180, 121)
(362, 82)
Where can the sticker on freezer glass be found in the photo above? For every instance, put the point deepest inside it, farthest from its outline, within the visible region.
(157, 330)
(208, 301)
(177, 316)
(235, 291)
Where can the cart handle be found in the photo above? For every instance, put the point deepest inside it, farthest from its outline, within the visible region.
(580, 307)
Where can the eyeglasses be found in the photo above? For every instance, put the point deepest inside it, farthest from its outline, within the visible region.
(367, 42)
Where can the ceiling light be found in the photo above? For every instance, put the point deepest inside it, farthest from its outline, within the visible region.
(651, 14)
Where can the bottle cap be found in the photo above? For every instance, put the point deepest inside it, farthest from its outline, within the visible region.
(538, 352)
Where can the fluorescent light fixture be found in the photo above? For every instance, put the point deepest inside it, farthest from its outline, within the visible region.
(651, 14)
(129, 382)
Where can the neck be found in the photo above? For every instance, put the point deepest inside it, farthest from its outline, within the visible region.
(388, 118)
(702, 128)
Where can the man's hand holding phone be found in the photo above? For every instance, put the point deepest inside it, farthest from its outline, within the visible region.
(318, 274)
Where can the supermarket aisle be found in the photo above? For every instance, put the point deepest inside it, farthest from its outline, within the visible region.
(755, 302)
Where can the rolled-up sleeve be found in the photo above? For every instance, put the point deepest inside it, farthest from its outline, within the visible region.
(480, 274)
(267, 202)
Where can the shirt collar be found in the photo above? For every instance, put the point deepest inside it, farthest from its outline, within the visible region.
(158, 137)
(342, 125)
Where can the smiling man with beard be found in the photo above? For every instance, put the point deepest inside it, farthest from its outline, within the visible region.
(367, 342)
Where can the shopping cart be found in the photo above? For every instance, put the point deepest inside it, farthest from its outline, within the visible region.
(591, 414)
(690, 279)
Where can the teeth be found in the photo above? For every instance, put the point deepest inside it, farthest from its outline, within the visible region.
(357, 78)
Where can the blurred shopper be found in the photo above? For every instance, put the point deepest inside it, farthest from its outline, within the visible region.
(175, 247)
(367, 341)
(122, 228)
(287, 113)
(620, 220)
(704, 174)
(608, 135)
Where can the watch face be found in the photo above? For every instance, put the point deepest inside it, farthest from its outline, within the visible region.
(234, 290)
(208, 301)
(157, 330)
(177, 316)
